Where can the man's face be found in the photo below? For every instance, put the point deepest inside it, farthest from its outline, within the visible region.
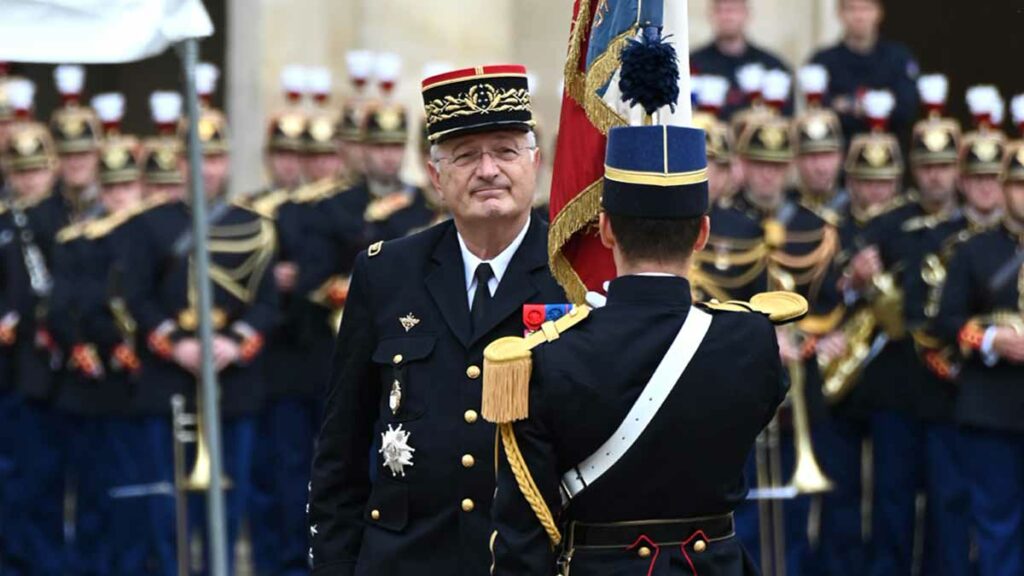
(766, 181)
(31, 184)
(121, 196)
(729, 18)
(353, 157)
(285, 168)
(384, 161)
(79, 170)
(320, 166)
(867, 194)
(861, 18)
(215, 175)
(936, 182)
(1014, 192)
(982, 193)
(819, 171)
(719, 180)
(170, 191)
(494, 186)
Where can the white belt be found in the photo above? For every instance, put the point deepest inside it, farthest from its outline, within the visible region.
(646, 406)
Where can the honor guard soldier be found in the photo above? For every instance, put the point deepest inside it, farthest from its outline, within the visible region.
(766, 240)
(730, 50)
(406, 377)
(350, 123)
(862, 61)
(76, 133)
(161, 297)
(299, 347)
(321, 143)
(937, 469)
(981, 311)
(818, 143)
(580, 424)
(35, 490)
(711, 92)
(870, 382)
(93, 332)
(162, 162)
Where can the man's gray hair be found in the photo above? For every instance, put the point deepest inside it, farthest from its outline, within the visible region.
(435, 149)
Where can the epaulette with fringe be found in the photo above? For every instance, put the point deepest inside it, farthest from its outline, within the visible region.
(103, 226)
(320, 190)
(780, 307)
(508, 363)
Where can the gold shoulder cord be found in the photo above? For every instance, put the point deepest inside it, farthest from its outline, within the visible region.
(506, 395)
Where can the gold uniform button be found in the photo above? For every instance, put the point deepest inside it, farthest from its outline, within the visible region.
(470, 416)
(644, 552)
(397, 359)
(473, 372)
(468, 505)
(700, 546)
(468, 461)
(375, 514)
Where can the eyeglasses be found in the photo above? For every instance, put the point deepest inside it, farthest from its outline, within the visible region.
(502, 155)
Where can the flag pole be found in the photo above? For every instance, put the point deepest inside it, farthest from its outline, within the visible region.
(188, 50)
(677, 23)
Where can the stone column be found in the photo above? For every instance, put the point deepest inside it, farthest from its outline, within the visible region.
(243, 73)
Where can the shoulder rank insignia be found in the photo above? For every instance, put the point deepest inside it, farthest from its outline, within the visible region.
(507, 365)
(374, 249)
(779, 307)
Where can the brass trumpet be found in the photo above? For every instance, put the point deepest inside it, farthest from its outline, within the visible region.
(188, 429)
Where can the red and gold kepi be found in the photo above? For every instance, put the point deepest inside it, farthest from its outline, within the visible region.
(481, 99)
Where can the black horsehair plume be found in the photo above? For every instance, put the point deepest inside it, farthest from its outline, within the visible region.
(650, 72)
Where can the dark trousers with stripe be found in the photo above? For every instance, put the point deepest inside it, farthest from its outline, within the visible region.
(285, 436)
(995, 470)
(842, 550)
(796, 513)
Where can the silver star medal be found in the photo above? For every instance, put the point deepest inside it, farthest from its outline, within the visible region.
(396, 450)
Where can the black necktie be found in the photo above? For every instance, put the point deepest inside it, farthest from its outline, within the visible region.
(482, 297)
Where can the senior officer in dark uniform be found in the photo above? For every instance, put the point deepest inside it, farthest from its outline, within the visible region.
(406, 377)
(159, 295)
(982, 312)
(590, 428)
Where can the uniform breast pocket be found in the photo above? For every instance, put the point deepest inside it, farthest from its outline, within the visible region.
(388, 505)
(405, 367)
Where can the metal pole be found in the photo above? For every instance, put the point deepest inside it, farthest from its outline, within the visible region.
(215, 523)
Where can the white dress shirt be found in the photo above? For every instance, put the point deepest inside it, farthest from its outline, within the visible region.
(499, 264)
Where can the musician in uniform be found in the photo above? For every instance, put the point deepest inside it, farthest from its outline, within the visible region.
(162, 162)
(876, 365)
(298, 358)
(769, 239)
(583, 423)
(76, 133)
(935, 149)
(35, 491)
(405, 383)
(161, 297)
(981, 311)
(89, 327)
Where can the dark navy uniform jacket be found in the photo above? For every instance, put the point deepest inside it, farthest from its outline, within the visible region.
(934, 240)
(34, 365)
(890, 66)
(156, 290)
(990, 397)
(12, 284)
(367, 521)
(710, 61)
(688, 462)
(88, 277)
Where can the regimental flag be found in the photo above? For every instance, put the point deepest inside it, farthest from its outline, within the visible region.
(591, 105)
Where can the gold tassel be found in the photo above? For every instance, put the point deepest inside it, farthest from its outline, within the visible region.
(506, 389)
